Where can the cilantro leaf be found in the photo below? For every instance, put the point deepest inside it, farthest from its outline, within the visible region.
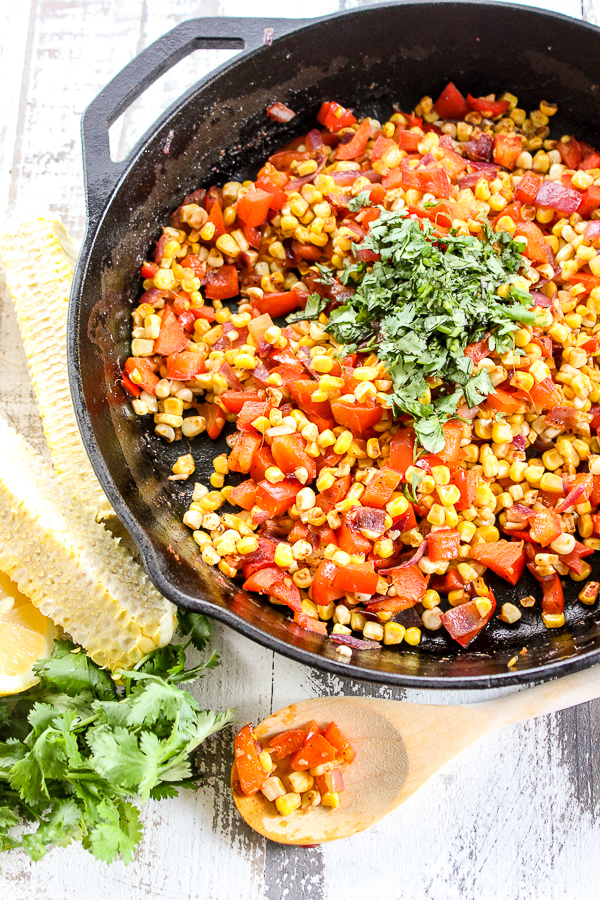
(361, 199)
(196, 626)
(313, 309)
(71, 671)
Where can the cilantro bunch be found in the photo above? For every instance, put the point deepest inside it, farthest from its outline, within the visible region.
(76, 749)
(422, 303)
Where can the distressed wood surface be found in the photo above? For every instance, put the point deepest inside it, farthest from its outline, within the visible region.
(515, 818)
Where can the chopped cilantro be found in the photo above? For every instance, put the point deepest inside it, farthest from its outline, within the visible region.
(313, 309)
(362, 199)
(420, 306)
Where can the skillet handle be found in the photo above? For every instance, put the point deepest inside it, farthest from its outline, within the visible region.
(101, 174)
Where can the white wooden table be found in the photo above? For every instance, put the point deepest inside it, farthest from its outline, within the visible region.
(515, 818)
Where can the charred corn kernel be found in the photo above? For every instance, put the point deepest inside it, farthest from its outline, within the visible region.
(510, 613)
(373, 449)
(426, 484)
(373, 631)
(585, 526)
(287, 803)
(589, 594)
(342, 615)
(184, 465)
(553, 620)
(193, 426)
(432, 619)
(301, 781)
(467, 531)
(397, 507)
(302, 578)
(366, 373)
(490, 466)
(441, 475)
(551, 483)
(435, 515)
(172, 406)
(431, 599)
(448, 494)
(393, 633)
(412, 636)
(165, 432)
(326, 612)
(273, 788)
(313, 797)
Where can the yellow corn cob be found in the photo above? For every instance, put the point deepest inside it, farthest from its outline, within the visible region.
(38, 258)
(70, 567)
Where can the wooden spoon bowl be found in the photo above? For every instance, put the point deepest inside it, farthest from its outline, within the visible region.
(399, 746)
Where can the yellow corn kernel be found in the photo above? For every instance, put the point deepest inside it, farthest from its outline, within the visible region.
(288, 803)
(398, 506)
(246, 545)
(283, 555)
(448, 494)
(413, 636)
(393, 633)
(265, 760)
(484, 496)
(484, 606)
(431, 599)
(488, 533)
(331, 800)
(384, 548)
(373, 449)
(327, 438)
(553, 620)
(533, 474)
(467, 531)
(552, 483)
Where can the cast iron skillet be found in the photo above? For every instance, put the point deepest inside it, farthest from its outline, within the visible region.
(367, 59)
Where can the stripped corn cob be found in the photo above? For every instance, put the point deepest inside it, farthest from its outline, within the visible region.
(70, 567)
(38, 258)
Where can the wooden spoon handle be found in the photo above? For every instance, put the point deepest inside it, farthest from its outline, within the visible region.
(570, 690)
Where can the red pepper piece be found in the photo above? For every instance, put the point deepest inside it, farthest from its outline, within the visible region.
(216, 217)
(545, 394)
(261, 558)
(302, 392)
(315, 752)
(357, 145)
(309, 623)
(553, 600)
(146, 379)
(505, 558)
(333, 116)
(545, 527)
(277, 498)
(488, 108)
(340, 742)
(381, 147)
(275, 583)
(263, 459)
(588, 280)
(407, 140)
(251, 774)
(240, 458)
(573, 559)
(358, 417)
(323, 589)
(289, 453)
(505, 402)
(380, 489)
(249, 412)
(185, 366)
(450, 453)
(149, 270)
(244, 495)
(443, 545)
(466, 481)
(451, 104)
(287, 742)
(528, 188)
(570, 152)
(331, 782)
(362, 579)
(171, 338)
(537, 249)
(234, 401)
(132, 389)
(464, 622)
(279, 303)
(222, 283)
(350, 541)
(507, 149)
(253, 206)
(409, 582)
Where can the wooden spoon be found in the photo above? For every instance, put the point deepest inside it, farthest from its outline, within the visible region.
(399, 747)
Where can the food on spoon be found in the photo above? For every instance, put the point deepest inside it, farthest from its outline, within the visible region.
(65, 563)
(26, 636)
(427, 418)
(308, 770)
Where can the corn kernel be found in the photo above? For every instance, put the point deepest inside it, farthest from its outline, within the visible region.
(413, 636)
(393, 633)
(283, 555)
(288, 803)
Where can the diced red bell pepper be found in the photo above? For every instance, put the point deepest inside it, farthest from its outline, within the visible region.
(258, 327)
(334, 117)
(261, 558)
(451, 581)
(553, 600)
(361, 579)
(335, 494)
(302, 391)
(393, 605)
(277, 304)
(249, 412)
(309, 623)
(450, 452)
(275, 583)
(464, 622)
(340, 742)
(240, 458)
(251, 774)
(537, 249)
(573, 559)
(216, 218)
(432, 180)
(488, 108)
(132, 389)
(311, 729)
(507, 149)
(289, 453)
(402, 450)
(277, 498)
(570, 152)
(451, 104)
(528, 188)
(407, 140)
(466, 481)
(149, 270)
(244, 495)
(505, 402)
(287, 742)
(185, 366)
(545, 394)
(323, 590)
(263, 459)
(590, 202)
(357, 145)
(552, 195)
(381, 147)
(351, 541)
(505, 558)
(443, 545)
(358, 417)
(315, 752)
(478, 350)
(545, 526)
(273, 182)
(233, 401)
(381, 487)
(171, 338)
(409, 582)
(147, 377)
(588, 280)
(222, 283)
(253, 207)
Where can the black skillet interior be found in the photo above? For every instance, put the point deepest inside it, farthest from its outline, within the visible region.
(369, 59)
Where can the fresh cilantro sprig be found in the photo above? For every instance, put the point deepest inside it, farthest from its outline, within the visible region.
(314, 307)
(422, 303)
(76, 749)
(362, 199)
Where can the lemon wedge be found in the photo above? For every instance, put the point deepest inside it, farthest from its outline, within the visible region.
(25, 636)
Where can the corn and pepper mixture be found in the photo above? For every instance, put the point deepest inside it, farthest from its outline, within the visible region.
(340, 515)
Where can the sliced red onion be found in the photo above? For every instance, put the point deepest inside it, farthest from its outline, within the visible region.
(482, 166)
(467, 412)
(540, 299)
(367, 518)
(571, 499)
(519, 442)
(427, 159)
(481, 149)
(473, 178)
(355, 643)
(346, 178)
(408, 562)
(297, 183)
(592, 232)
(563, 416)
(520, 511)
(230, 377)
(278, 112)
(373, 176)
(151, 296)
(260, 374)
(313, 140)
